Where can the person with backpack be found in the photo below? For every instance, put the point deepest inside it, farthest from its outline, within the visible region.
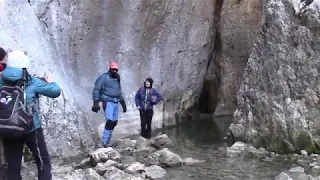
(22, 106)
(107, 89)
(3, 165)
(145, 99)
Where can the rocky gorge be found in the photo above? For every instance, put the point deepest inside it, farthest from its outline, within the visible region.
(255, 59)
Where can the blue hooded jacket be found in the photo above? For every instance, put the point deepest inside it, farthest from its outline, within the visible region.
(35, 86)
(144, 98)
(107, 88)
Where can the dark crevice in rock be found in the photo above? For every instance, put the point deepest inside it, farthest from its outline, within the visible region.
(208, 100)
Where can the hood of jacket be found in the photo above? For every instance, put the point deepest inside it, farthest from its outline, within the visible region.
(12, 74)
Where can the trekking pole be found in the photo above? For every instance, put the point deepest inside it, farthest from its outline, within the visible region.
(24, 79)
(163, 116)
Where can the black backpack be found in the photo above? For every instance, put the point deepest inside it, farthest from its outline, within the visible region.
(15, 120)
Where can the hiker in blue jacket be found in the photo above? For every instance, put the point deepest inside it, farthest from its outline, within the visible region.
(145, 99)
(34, 139)
(107, 89)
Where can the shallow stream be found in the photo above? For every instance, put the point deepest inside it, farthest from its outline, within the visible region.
(201, 139)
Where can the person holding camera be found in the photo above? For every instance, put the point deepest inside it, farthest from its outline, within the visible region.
(145, 99)
(16, 69)
(3, 55)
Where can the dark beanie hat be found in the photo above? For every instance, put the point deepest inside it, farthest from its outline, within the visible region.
(3, 53)
(150, 80)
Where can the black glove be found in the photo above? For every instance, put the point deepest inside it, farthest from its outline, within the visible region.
(123, 104)
(95, 107)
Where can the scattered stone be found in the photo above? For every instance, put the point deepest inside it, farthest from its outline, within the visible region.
(135, 168)
(273, 155)
(164, 158)
(101, 168)
(283, 176)
(161, 141)
(240, 148)
(191, 161)
(236, 149)
(142, 143)
(315, 170)
(85, 163)
(304, 153)
(155, 172)
(114, 173)
(297, 169)
(125, 144)
(103, 155)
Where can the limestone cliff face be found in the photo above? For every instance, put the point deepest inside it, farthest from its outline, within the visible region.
(278, 101)
(238, 24)
(170, 41)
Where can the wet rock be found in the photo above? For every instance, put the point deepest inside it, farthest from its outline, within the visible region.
(283, 176)
(79, 174)
(142, 143)
(135, 168)
(304, 152)
(267, 159)
(315, 170)
(295, 173)
(236, 149)
(85, 163)
(103, 155)
(303, 162)
(191, 161)
(273, 155)
(252, 151)
(125, 144)
(297, 169)
(313, 164)
(92, 175)
(314, 155)
(142, 154)
(240, 148)
(164, 158)
(101, 168)
(161, 141)
(155, 172)
(114, 173)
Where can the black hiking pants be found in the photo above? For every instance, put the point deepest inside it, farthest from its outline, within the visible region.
(146, 119)
(14, 150)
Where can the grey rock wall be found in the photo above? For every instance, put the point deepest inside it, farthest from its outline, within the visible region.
(278, 101)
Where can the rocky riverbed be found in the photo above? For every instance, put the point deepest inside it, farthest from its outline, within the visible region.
(126, 159)
(304, 166)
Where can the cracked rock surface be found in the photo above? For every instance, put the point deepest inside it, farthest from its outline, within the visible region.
(278, 101)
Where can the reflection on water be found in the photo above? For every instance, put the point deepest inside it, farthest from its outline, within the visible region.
(201, 139)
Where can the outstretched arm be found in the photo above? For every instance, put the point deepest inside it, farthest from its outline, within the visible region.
(51, 89)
